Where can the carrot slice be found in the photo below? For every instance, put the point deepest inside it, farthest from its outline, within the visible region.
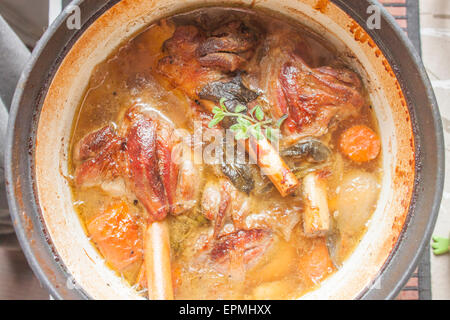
(117, 235)
(360, 143)
(315, 265)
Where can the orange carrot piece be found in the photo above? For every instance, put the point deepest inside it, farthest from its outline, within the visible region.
(360, 143)
(117, 235)
(316, 264)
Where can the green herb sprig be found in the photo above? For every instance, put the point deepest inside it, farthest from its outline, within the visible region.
(255, 123)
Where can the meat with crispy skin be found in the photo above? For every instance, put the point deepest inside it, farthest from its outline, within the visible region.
(311, 96)
(142, 156)
(233, 37)
(195, 58)
(222, 60)
(143, 164)
(235, 252)
(243, 246)
(102, 154)
(181, 65)
(91, 144)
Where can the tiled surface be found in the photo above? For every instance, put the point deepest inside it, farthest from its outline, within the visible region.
(409, 23)
(398, 10)
(435, 32)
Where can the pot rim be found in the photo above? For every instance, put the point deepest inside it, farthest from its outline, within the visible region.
(403, 258)
(394, 265)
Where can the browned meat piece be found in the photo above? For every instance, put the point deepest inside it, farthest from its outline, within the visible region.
(143, 164)
(224, 204)
(234, 37)
(194, 59)
(103, 155)
(168, 169)
(313, 97)
(241, 249)
(181, 65)
(233, 252)
(143, 157)
(189, 76)
(222, 60)
(91, 144)
(184, 43)
(231, 210)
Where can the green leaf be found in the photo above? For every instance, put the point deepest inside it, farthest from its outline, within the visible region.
(269, 133)
(240, 108)
(273, 134)
(244, 122)
(255, 131)
(219, 115)
(216, 110)
(281, 120)
(238, 128)
(235, 127)
(222, 104)
(241, 135)
(259, 134)
(217, 118)
(259, 114)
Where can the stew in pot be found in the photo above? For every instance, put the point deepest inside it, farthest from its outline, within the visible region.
(246, 136)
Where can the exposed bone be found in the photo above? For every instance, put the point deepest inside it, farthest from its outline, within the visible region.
(157, 261)
(316, 217)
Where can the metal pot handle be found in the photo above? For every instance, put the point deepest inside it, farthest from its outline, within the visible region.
(13, 57)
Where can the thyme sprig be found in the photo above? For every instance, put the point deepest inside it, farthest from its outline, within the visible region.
(254, 123)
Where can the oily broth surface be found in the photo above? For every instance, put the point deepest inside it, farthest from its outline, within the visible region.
(129, 77)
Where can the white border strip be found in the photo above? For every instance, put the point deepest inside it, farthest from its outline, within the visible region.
(436, 32)
(441, 84)
(54, 9)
